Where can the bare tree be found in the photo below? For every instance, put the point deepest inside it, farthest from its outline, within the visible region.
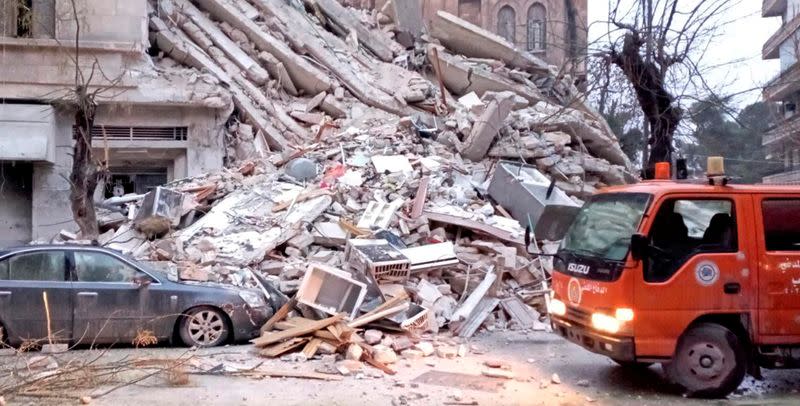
(658, 45)
(82, 99)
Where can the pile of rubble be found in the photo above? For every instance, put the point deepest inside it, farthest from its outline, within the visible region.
(370, 184)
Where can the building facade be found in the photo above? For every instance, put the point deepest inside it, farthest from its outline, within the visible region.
(153, 124)
(782, 141)
(554, 30)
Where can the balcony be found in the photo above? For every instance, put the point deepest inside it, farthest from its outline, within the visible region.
(773, 44)
(783, 85)
(784, 178)
(783, 129)
(773, 8)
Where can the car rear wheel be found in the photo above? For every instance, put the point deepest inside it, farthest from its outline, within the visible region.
(204, 327)
(710, 362)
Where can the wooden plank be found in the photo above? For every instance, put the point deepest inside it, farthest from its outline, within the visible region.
(311, 348)
(470, 325)
(279, 315)
(301, 198)
(420, 197)
(275, 337)
(297, 374)
(366, 319)
(282, 348)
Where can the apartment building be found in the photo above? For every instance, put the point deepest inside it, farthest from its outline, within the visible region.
(155, 123)
(782, 141)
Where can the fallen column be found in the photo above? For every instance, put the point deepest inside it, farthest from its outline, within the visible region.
(345, 19)
(303, 74)
(470, 40)
(322, 53)
(187, 52)
(253, 70)
(486, 128)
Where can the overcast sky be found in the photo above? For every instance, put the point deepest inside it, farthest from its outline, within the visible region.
(740, 40)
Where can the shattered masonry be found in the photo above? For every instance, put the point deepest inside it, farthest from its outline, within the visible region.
(339, 135)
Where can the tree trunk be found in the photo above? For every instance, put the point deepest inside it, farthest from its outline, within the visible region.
(658, 104)
(84, 176)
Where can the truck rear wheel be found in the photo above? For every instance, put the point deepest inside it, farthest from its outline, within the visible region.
(710, 361)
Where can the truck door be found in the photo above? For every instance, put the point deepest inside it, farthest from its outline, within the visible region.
(779, 270)
(697, 265)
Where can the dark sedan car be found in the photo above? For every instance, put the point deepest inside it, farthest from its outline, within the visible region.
(97, 295)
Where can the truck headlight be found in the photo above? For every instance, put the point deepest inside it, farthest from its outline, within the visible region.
(624, 314)
(557, 307)
(604, 322)
(253, 299)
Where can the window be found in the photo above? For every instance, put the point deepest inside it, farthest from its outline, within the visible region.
(37, 266)
(537, 27)
(27, 18)
(781, 224)
(507, 23)
(100, 267)
(470, 10)
(685, 228)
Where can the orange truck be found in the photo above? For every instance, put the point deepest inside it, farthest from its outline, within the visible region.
(703, 278)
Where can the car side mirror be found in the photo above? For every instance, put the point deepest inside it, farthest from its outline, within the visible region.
(639, 246)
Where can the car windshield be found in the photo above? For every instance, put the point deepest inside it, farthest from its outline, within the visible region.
(603, 228)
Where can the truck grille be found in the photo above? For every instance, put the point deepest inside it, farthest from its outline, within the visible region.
(579, 316)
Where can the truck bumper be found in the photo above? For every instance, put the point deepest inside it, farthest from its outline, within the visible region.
(618, 348)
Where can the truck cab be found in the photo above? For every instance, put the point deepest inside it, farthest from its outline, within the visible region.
(703, 278)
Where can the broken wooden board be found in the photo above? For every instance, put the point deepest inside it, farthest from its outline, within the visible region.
(469, 326)
(310, 350)
(522, 314)
(279, 315)
(474, 226)
(274, 337)
(282, 348)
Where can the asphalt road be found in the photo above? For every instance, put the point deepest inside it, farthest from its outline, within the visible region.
(585, 379)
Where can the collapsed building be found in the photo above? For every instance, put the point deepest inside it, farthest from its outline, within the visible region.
(343, 173)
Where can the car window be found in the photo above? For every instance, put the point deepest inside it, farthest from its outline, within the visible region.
(684, 228)
(781, 224)
(101, 267)
(4, 270)
(37, 266)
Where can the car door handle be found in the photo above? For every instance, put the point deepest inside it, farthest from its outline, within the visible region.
(732, 288)
(87, 294)
(5, 293)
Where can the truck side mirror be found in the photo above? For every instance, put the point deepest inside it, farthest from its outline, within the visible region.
(639, 246)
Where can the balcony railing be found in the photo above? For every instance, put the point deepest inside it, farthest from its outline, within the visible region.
(773, 8)
(784, 178)
(781, 130)
(772, 46)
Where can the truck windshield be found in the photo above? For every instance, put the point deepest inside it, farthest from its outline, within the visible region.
(603, 228)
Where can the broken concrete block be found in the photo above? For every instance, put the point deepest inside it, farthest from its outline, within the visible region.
(373, 337)
(485, 130)
(411, 354)
(498, 373)
(446, 352)
(333, 107)
(301, 241)
(402, 343)
(384, 354)
(425, 347)
(354, 352)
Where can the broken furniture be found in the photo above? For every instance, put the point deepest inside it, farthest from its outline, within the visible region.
(161, 209)
(331, 290)
(525, 192)
(379, 258)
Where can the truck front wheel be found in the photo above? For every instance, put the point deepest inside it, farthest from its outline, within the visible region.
(710, 361)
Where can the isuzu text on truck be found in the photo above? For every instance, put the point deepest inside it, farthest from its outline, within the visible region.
(702, 278)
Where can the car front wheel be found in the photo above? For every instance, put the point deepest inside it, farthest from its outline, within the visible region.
(710, 362)
(204, 327)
